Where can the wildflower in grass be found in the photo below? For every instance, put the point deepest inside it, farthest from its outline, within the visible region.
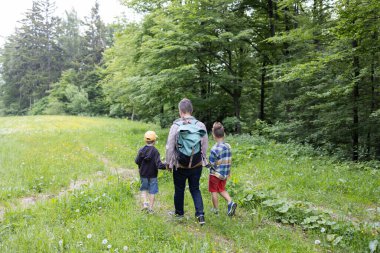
(323, 230)
(125, 248)
(104, 241)
(89, 236)
(109, 246)
(60, 243)
(317, 242)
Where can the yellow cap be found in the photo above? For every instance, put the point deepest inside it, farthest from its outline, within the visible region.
(150, 136)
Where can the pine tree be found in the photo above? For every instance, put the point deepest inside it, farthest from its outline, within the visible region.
(32, 58)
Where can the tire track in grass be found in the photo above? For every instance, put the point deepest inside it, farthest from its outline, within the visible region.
(188, 224)
(29, 201)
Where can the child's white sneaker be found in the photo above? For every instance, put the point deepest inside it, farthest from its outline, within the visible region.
(145, 206)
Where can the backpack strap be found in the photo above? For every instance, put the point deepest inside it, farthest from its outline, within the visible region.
(191, 158)
(184, 121)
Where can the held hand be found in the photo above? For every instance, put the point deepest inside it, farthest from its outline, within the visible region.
(209, 166)
(168, 168)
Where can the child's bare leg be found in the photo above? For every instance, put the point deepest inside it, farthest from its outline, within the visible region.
(151, 201)
(214, 198)
(144, 199)
(226, 196)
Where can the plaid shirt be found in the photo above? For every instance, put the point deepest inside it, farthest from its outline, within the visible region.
(220, 159)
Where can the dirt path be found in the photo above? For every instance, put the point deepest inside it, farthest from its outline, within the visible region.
(161, 209)
(28, 201)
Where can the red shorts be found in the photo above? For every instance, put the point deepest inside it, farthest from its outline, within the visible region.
(216, 185)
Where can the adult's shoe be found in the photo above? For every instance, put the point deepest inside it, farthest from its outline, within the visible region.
(201, 220)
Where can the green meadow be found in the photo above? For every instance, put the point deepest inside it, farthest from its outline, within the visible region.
(69, 184)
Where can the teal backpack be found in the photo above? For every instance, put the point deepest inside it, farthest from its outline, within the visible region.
(188, 144)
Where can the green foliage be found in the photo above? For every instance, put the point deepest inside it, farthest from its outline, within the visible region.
(90, 201)
(117, 110)
(39, 107)
(170, 57)
(55, 107)
(334, 232)
(78, 100)
(230, 124)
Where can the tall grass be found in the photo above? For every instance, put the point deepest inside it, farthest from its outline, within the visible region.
(43, 155)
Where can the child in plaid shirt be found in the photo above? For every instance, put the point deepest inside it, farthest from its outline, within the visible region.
(220, 168)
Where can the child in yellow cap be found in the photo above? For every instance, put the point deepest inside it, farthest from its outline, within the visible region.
(149, 161)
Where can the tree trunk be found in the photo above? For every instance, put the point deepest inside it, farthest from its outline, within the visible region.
(317, 21)
(271, 18)
(369, 141)
(237, 107)
(355, 110)
(296, 13)
(287, 29)
(272, 32)
(262, 92)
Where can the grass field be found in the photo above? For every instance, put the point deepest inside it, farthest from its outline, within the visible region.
(69, 184)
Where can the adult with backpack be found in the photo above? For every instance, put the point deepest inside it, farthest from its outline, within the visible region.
(185, 157)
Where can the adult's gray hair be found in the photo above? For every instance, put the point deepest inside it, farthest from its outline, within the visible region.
(185, 106)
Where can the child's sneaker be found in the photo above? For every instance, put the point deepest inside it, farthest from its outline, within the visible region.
(201, 220)
(215, 210)
(176, 215)
(231, 208)
(150, 211)
(145, 207)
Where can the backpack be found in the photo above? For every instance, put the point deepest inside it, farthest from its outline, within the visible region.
(188, 144)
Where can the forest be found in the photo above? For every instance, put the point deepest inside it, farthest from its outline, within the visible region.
(292, 70)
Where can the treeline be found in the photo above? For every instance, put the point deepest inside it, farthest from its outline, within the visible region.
(49, 65)
(302, 70)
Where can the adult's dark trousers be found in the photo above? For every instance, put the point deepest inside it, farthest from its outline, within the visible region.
(193, 176)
